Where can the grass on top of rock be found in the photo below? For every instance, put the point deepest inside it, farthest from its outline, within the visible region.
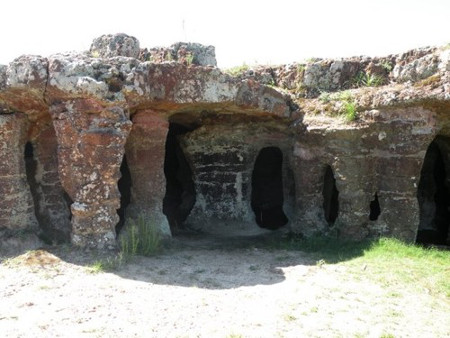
(363, 79)
(389, 261)
(348, 106)
(238, 70)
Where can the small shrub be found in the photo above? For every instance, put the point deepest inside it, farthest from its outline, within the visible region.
(142, 238)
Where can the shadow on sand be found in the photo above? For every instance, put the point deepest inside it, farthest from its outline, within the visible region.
(211, 262)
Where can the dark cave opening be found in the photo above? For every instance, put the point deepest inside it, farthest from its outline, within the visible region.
(434, 199)
(180, 190)
(124, 184)
(330, 197)
(375, 209)
(30, 170)
(267, 189)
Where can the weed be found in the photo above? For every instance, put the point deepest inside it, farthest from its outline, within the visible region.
(289, 318)
(363, 79)
(189, 58)
(142, 238)
(97, 267)
(387, 66)
(387, 335)
(238, 70)
(314, 309)
(168, 56)
(320, 263)
(350, 111)
(301, 68)
(95, 54)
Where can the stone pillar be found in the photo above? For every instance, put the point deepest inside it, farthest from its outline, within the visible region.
(16, 202)
(91, 145)
(145, 150)
(399, 179)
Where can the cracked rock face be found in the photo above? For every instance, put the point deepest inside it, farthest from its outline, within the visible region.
(91, 140)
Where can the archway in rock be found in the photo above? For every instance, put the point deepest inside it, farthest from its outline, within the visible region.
(267, 189)
(433, 195)
(375, 209)
(124, 184)
(180, 190)
(330, 197)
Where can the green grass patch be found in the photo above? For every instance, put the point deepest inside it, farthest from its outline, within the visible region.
(142, 238)
(389, 261)
(238, 70)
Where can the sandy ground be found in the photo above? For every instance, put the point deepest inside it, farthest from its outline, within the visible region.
(207, 292)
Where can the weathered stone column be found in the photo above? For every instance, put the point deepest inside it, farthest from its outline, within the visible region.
(16, 202)
(145, 150)
(91, 145)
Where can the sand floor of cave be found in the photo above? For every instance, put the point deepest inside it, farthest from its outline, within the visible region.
(205, 291)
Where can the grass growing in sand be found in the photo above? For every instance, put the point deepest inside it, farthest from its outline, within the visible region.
(389, 261)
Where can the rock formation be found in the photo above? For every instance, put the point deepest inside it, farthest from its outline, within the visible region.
(357, 147)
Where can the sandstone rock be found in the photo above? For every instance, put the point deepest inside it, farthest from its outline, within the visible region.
(187, 53)
(94, 117)
(201, 55)
(111, 45)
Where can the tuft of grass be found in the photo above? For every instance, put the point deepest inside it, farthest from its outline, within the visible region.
(387, 66)
(238, 70)
(363, 79)
(350, 111)
(189, 58)
(95, 54)
(142, 238)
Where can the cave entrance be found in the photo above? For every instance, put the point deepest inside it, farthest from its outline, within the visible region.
(330, 197)
(375, 209)
(30, 170)
(180, 190)
(124, 184)
(434, 196)
(267, 189)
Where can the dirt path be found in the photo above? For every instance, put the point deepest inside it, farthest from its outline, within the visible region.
(191, 292)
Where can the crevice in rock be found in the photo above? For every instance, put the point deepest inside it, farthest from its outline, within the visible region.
(375, 209)
(180, 190)
(330, 197)
(433, 195)
(47, 81)
(30, 170)
(267, 189)
(124, 184)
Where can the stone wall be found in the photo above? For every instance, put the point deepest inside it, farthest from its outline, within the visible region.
(268, 148)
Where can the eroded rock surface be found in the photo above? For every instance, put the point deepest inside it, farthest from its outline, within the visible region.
(350, 137)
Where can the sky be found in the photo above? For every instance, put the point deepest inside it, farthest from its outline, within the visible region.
(251, 32)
